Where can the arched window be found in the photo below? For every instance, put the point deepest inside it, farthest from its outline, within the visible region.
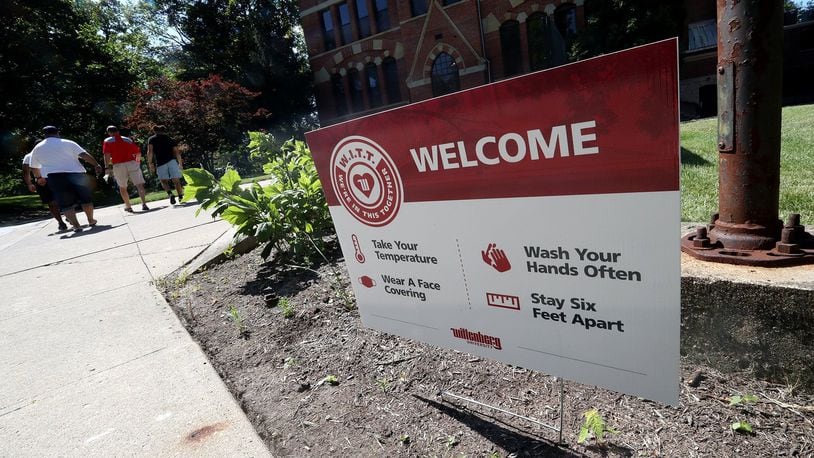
(510, 48)
(541, 35)
(445, 79)
(338, 87)
(391, 80)
(374, 92)
(356, 98)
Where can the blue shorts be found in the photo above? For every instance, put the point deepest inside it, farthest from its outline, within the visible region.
(169, 170)
(70, 188)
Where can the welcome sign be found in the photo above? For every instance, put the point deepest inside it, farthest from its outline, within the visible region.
(534, 221)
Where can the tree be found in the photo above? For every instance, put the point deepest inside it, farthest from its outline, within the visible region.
(209, 116)
(613, 25)
(255, 43)
(66, 63)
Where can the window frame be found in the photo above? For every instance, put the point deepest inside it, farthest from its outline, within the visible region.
(513, 66)
(373, 84)
(440, 86)
(381, 16)
(345, 30)
(363, 22)
(357, 96)
(340, 95)
(328, 35)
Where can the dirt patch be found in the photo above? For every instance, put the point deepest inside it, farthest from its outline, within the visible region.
(315, 382)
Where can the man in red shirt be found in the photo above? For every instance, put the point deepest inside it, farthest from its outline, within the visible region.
(123, 157)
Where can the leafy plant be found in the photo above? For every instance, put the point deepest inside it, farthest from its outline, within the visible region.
(290, 361)
(182, 278)
(342, 293)
(451, 441)
(741, 427)
(594, 425)
(383, 384)
(738, 399)
(286, 307)
(234, 315)
(288, 215)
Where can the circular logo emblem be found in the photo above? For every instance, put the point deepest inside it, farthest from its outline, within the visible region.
(366, 181)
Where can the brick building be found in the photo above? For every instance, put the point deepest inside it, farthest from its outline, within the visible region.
(371, 55)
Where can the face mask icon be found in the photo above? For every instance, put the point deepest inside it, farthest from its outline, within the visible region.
(367, 282)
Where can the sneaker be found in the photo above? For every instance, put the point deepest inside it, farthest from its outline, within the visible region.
(180, 198)
(63, 227)
(172, 199)
(145, 208)
(77, 228)
(92, 223)
(128, 209)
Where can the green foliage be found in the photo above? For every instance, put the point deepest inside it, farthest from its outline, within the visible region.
(738, 399)
(257, 43)
(67, 63)
(383, 384)
(237, 320)
(594, 425)
(451, 441)
(286, 307)
(288, 215)
(741, 427)
(613, 25)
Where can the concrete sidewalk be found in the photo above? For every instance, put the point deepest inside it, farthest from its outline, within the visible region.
(93, 362)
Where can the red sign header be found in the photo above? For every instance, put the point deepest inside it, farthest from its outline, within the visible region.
(599, 126)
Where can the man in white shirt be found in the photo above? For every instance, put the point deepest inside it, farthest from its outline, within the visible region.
(65, 175)
(46, 196)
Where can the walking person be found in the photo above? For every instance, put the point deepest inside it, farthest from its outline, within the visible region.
(167, 160)
(123, 157)
(55, 163)
(46, 196)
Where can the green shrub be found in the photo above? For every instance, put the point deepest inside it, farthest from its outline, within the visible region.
(289, 214)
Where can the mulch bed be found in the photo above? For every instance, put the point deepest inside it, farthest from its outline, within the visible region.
(318, 383)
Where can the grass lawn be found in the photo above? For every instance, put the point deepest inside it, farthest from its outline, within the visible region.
(699, 172)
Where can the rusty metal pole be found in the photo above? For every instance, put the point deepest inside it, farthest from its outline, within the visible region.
(750, 75)
(747, 228)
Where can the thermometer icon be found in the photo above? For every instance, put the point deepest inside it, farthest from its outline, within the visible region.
(359, 255)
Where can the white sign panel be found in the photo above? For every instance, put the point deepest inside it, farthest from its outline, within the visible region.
(547, 239)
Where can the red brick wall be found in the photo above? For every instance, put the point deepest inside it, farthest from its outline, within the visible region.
(454, 29)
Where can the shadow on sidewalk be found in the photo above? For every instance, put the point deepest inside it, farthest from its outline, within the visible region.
(87, 230)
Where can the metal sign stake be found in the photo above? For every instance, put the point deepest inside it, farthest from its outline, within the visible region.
(507, 412)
